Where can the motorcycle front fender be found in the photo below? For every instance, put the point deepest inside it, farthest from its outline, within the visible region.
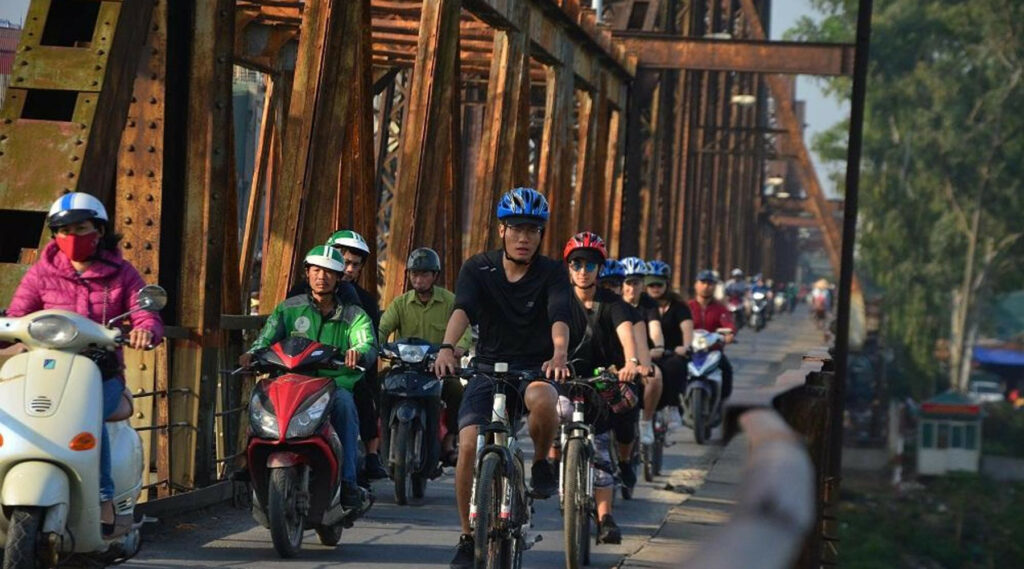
(285, 459)
(35, 483)
(405, 412)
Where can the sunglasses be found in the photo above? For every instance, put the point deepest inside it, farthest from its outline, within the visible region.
(634, 282)
(655, 285)
(578, 265)
(705, 281)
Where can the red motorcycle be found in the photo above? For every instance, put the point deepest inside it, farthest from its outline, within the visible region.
(294, 453)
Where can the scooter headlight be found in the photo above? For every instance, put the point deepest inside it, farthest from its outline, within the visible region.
(305, 421)
(758, 296)
(700, 343)
(53, 329)
(412, 353)
(262, 421)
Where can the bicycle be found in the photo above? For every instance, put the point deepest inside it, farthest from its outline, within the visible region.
(500, 505)
(576, 475)
(652, 454)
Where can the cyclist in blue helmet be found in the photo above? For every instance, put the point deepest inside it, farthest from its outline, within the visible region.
(647, 329)
(677, 329)
(611, 276)
(523, 209)
(522, 303)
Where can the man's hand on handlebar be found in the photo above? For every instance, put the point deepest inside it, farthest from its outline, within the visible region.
(245, 360)
(681, 351)
(557, 367)
(629, 372)
(140, 338)
(351, 359)
(445, 363)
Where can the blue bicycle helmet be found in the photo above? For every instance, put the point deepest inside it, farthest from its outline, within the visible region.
(612, 269)
(635, 267)
(659, 269)
(523, 205)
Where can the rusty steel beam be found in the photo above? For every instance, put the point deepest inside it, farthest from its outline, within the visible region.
(62, 118)
(138, 200)
(495, 165)
(593, 48)
(208, 179)
(554, 174)
(356, 204)
(662, 51)
(783, 95)
(335, 162)
(426, 144)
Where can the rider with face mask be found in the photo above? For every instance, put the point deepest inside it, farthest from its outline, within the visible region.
(81, 270)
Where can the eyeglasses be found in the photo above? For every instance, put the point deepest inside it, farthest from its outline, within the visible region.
(633, 282)
(577, 265)
(525, 229)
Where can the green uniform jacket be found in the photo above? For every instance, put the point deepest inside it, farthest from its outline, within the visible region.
(410, 318)
(348, 327)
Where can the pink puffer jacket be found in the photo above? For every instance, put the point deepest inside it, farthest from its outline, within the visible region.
(106, 289)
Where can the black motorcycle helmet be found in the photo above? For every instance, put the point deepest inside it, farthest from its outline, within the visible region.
(424, 259)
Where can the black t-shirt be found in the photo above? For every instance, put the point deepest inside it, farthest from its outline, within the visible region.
(514, 318)
(600, 346)
(645, 311)
(676, 313)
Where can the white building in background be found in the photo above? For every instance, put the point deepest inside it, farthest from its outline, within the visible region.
(949, 435)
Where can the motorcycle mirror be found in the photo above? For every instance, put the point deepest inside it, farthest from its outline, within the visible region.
(152, 298)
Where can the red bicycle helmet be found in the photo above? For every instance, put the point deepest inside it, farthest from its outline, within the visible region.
(585, 240)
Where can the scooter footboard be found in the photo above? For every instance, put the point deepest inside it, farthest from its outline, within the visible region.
(35, 483)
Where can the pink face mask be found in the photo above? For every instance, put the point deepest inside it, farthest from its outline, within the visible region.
(79, 247)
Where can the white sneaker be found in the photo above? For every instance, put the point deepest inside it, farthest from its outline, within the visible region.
(674, 420)
(646, 432)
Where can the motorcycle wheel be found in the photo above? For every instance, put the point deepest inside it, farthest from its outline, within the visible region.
(697, 411)
(403, 476)
(286, 523)
(21, 551)
(419, 485)
(329, 535)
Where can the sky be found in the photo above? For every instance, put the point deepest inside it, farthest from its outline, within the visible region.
(821, 111)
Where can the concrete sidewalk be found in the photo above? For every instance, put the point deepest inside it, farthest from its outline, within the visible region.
(690, 523)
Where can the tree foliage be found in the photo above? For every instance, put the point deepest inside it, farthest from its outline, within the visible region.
(941, 203)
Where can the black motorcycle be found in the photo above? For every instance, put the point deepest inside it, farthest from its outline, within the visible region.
(412, 408)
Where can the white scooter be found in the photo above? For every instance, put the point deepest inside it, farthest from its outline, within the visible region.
(50, 421)
(702, 398)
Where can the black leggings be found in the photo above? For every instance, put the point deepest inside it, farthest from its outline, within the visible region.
(673, 373)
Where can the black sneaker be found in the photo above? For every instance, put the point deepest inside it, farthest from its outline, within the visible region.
(627, 474)
(543, 479)
(464, 556)
(353, 497)
(374, 470)
(608, 531)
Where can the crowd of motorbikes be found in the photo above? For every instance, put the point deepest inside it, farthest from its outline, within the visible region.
(49, 459)
(754, 306)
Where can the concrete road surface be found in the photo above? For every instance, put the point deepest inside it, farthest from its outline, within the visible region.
(424, 534)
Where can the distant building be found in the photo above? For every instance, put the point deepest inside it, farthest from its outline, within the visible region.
(949, 435)
(9, 36)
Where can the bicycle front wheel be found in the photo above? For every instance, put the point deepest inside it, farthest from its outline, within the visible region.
(492, 542)
(577, 516)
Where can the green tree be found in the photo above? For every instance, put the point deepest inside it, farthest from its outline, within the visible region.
(941, 198)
